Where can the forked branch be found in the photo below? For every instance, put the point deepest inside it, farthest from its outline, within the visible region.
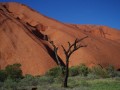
(73, 47)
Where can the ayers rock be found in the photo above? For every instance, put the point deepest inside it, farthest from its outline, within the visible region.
(24, 33)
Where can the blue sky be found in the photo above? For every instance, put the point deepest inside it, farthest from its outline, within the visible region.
(99, 12)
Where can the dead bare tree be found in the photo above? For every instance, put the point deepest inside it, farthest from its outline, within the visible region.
(71, 49)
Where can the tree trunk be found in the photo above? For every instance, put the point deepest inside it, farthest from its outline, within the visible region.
(65, 81)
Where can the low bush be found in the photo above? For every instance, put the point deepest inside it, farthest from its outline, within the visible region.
(14, 71)
(45, 80)
(73, 71)
(100, 72)
(111, 71)
(3, 75)
(9, 84)
(30, 81)
(83, 70)
(58, 79)
(54, 72)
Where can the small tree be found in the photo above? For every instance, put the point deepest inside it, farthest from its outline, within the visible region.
(72, 48)
(14, 71)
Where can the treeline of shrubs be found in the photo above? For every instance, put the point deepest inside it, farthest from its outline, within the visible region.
(11, 77)
(14, 72)
(82, 70)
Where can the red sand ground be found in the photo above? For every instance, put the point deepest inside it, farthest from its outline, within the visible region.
(21, 40)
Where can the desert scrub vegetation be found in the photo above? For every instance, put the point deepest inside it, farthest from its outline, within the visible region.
(82, 70)
(99, 72)
(13, 72)
(54, 72)
(81, 78)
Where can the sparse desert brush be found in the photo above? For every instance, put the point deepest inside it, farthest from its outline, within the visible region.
(99, 71)
(9, 84)
(83, 70)
(111, 71)
(74, 71)
(54, 72)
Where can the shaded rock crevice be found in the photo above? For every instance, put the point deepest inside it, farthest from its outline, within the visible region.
(52, 54)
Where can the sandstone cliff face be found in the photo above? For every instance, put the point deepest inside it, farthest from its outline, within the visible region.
(22, 40)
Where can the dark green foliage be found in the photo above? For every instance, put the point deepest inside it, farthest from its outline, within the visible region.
(54, 72)
(3, 75)
(73, 71)
(83, 70)
(14, 71)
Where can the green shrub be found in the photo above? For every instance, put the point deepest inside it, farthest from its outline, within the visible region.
(111, 71)
(9, 84)
(58, 79)
(118, 73)
(83, 70)
(45, 80)
(3, 75)
(14, 71)
(73, 71)
(54, 72)
(100, 72)
(28, 80)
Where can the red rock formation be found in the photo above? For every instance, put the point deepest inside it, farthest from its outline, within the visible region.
(21, 40)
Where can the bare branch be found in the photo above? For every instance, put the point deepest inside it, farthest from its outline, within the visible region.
(64, 50)
(71, 52)
(78, 40)
(73, 47)
(69, 44)
(69, 49)
(74, 43)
